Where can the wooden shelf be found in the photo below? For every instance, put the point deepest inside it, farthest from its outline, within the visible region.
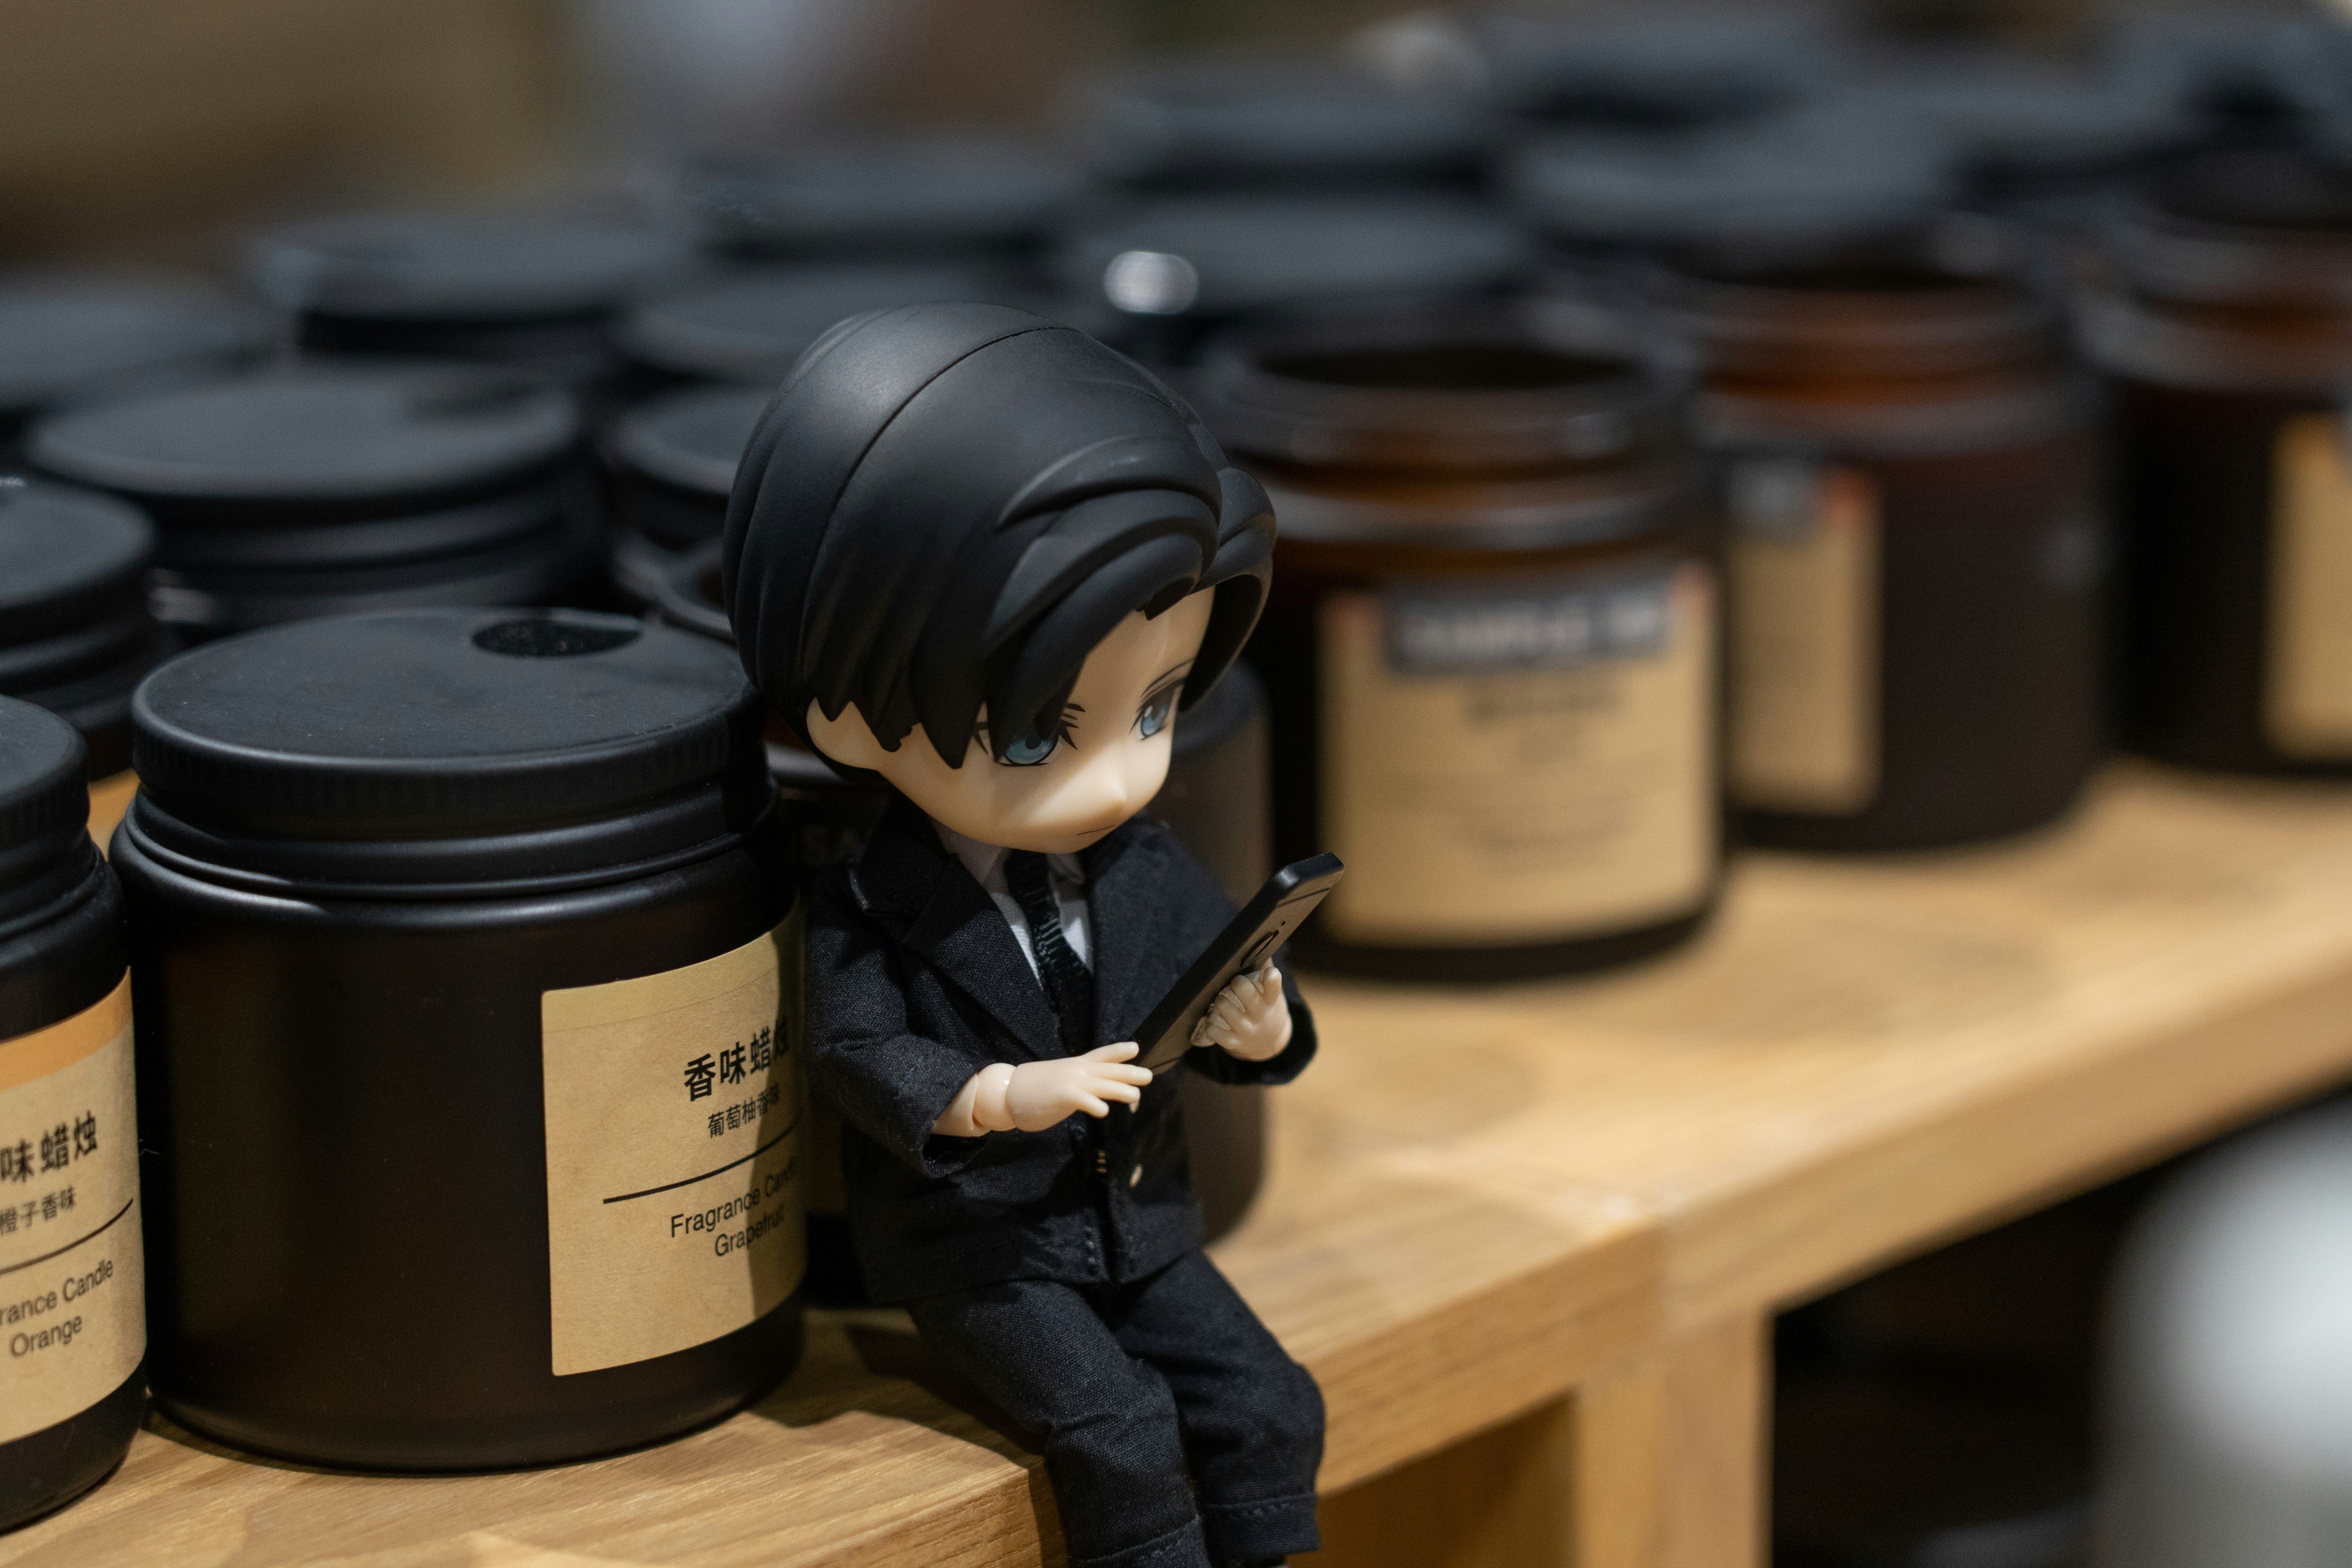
(1549, 1219)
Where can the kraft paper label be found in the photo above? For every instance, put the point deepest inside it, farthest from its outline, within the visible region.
(1522, 763)
(2308, 693)
(1804, 637)
(73, 1320)
(673, 1130)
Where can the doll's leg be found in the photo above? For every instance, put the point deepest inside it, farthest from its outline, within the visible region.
(1252, 1418)
(1106, 1422)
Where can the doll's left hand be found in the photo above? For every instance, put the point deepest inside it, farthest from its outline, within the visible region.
(1249, 1019)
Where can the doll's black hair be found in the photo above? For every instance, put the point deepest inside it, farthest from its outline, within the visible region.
(948, 506)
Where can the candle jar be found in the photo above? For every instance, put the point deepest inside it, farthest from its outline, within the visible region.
(535, 290)
(68, 338)
(75, 634)
(1491, 649)
(670, 463)
(924, 198)
(1913, 478)
(72, 1388)
(469, 974)
(329, 487)
(2226, 322)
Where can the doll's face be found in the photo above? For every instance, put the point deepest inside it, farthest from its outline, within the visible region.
(1059, 792)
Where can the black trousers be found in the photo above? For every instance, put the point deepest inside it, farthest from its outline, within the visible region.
(1125, 1384)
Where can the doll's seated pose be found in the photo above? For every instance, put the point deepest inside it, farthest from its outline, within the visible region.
(989, 560)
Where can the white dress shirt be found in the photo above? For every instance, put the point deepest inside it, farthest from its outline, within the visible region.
(1063, 873)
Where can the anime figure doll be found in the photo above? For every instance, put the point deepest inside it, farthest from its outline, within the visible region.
(985, 558)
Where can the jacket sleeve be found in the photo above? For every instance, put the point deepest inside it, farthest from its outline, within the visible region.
(887, 1082)
(1280, 1068)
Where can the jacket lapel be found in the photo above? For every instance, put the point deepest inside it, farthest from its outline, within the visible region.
(1126, 908)
(922, 895)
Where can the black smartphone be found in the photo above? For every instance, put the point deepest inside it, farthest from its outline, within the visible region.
(1249, 939)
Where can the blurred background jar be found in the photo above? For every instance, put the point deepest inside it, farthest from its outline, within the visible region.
(2225, 321)
(75, 634)
(1164, 273)
(533, 290)
(69, 338)
(326, 488)
(1912, 474)
(1492, 646)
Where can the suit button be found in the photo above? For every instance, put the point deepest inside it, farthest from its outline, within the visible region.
(1135, 1176)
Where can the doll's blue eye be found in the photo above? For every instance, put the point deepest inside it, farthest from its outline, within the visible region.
(1155, 715)
(1028, 750)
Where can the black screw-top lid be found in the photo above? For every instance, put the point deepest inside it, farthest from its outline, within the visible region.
(60, 338)
(1770, 185)
(692, 438)
(1272, 118)
(321, 433)
(908, 197)
(1657, 72)
(43, 797)
(1216, 257)
(67, 557)
(450, 267)
(440, 724)
(751, 326)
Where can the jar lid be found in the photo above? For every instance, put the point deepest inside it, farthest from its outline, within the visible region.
(428, 724)
(1679, 70)
(1446, 389)
(44, 795)
(753, 326)
(317, 432)
(2272, 227)
(692, 438)
(1905, 308)
(1793, 183)
(67, 557)
(61, 337)
(2235, 67)
(910, 196)
(444, 267)
(1214, 257)
(1223, 119)
(2016, 122)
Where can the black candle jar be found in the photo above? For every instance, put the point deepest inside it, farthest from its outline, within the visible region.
(1648, 75)
(467, 959)
(72, 1386)
(518, 288)
(329, 487)
(1917, 546)
(748, 326)
(924, 199)
(1172, 270)
(668, 465)
(1491, 651)
(2228, 329)
(1229, 123)
(67, 339)
(75, 634)
(1216, 800)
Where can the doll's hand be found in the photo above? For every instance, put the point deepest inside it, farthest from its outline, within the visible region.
(1035, 1096)
(1249, 1019)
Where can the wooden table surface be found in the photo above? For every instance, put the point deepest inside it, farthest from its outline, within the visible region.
(1483, 1201)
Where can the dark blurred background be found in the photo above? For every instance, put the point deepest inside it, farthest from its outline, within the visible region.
(157, 128)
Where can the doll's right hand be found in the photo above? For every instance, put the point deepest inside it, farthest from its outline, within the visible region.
(1039, 1095)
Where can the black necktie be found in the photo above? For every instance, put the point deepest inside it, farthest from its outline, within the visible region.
(1069, 986)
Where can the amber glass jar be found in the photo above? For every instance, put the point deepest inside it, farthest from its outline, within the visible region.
(2226, 322)
(1491, 648)
(1912, 477)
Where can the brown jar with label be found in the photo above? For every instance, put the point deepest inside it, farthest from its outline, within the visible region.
(2225, 318)
(1912, 477)
(1491, 652)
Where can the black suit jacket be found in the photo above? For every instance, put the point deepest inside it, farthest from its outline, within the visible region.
(916, 983)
